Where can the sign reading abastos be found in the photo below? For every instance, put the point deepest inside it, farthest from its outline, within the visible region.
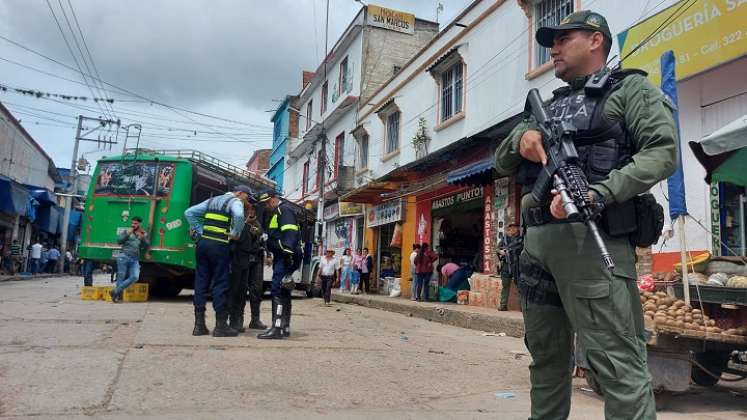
(710, 33)
(391, 19)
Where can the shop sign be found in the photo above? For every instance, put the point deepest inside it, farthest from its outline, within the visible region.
(501, 192)
(458, 198)
(350, 209)
(424, 220)
(702, 37)
(487, 249)
(340, 234)
(331, 211)
(385, 213)
(393, 20)
(715, 220)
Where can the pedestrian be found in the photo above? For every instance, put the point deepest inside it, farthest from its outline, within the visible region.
(346, 270)
(509, 249)
(133, 240)
(424, 267)
(68, 261)
(284, 242)
(44, 259)
(247, 257)
(36, 251)
(214, 223)
(357, 261)
(366, 267)
(87, 270)
(16, 256)
(626, 144)
(327, 273)
(54, 257)
(414, 272)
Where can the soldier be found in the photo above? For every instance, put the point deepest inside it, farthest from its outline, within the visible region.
(246, 272)
(214, 223)
(626, 143)
(284, 242)
(508, 250)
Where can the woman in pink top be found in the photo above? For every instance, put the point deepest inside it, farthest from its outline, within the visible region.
(424, 267)
(356, 277)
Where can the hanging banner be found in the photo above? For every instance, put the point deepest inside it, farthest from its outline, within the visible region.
(501, 192)
(487, 247)
(393, 20)
(676, 182)
(702, 37)
(715, 219)
(423, 222)
(385, 213)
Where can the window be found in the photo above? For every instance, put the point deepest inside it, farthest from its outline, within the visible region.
(339, 150)
(309, 113)
(325, 90)
(392, 132)
(344, 76)
(305, 180)
(549, 13)
(363, 143)
(452, 91)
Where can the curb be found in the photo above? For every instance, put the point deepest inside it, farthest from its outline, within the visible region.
(31, 277)
(457, 316)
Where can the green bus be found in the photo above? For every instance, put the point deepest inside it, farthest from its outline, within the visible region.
(158, 186)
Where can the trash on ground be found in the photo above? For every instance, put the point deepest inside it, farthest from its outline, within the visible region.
(505, 395)
(403, 338)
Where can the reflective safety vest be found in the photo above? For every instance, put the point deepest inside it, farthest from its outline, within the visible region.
(283, 232)
(217, 221)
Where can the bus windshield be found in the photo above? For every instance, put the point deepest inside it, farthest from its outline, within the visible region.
(134, 179)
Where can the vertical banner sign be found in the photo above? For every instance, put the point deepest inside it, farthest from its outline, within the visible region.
(715, 220)
(487, 249)
(676, 182)
(423, 221)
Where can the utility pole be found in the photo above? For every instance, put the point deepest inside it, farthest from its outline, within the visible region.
(321, 226)
(79, 136)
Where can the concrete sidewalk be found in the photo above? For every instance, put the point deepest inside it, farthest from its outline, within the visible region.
(464, 316)
(19, 276)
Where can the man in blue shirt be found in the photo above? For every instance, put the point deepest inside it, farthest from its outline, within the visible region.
(214, 223)
(53, 256)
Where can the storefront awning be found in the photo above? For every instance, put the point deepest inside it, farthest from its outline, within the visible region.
(477, 173)
(13, 197)
(43, 196)
(723, 153)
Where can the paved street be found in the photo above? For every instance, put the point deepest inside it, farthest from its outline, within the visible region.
(63, 357)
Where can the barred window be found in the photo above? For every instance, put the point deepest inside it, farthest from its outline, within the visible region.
(452, 91)
(549, 13)
(392, 132)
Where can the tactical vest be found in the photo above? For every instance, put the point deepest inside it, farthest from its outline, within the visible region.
(282, 231)
(217, 221)
(603, 144)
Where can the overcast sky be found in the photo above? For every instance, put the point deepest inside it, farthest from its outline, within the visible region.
(228, 58)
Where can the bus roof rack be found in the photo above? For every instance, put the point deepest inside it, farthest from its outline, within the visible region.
(207, 162)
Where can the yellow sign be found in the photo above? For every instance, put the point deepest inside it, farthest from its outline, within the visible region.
(710, 33)
(391, 19)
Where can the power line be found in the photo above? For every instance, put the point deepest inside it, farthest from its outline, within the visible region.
(72, 54)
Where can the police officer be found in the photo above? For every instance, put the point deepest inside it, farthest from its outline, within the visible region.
(214, 223)
(283, 241)
(246, 273)
(509, 249)
(626, 143)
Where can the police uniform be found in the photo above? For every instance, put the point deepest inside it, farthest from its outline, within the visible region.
(509, 266)
(215, 220)
(626, 144)
(284, 242)
(246, 275)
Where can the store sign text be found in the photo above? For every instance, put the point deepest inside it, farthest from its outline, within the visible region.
(385, 213)
(393, 20)
(461, 197)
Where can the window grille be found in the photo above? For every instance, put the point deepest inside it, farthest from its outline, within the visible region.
(549, 13)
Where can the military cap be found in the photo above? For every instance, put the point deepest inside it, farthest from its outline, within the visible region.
(583, 19)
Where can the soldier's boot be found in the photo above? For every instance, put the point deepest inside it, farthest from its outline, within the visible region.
(221, 326)
(287, 317)
(236, 322)
(255, 323)
(276, 332)
(200, 327)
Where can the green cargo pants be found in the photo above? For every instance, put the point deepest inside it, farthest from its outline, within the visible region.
(603, 309)
(505, 292)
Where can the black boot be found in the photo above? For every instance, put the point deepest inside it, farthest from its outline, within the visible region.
(237, 323)
(200, 327)
(221, 326)
(255, 323)
(276, 332)
(287, 316)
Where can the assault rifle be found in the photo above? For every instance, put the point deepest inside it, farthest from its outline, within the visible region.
(563, 174)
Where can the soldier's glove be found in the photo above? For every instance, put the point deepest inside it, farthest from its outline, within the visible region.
(288, 283)
(194, 234)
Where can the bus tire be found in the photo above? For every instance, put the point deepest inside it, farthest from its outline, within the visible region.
(165, 288)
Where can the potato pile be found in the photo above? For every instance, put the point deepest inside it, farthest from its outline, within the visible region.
(670, 312)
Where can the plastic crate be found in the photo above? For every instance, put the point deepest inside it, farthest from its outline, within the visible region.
(715, 294)
(90, 293)
(137, 292)
(104, 290)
